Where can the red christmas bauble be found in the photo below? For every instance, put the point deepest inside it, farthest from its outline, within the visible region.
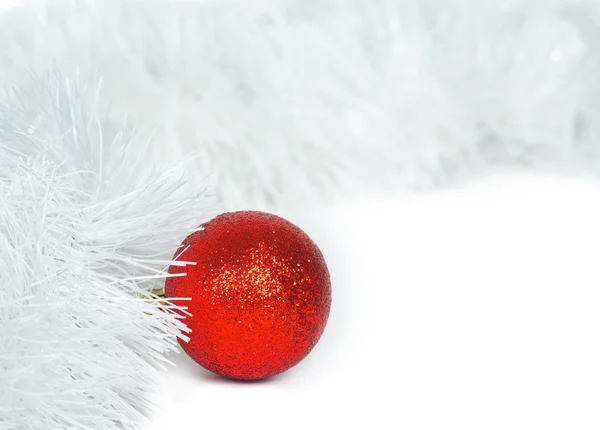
(260, 295)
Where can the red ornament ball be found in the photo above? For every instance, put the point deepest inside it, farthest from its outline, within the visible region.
(260, 294)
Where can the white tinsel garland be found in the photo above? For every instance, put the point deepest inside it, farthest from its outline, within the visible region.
(290, 99)
(83, 240)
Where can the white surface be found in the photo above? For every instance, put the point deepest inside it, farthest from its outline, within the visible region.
(472, 308)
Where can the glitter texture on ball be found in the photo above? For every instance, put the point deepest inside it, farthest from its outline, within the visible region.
(260, 295)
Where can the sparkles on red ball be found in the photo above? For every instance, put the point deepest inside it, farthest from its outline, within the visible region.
(260, 295)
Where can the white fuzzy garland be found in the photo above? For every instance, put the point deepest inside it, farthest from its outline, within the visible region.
(82, 241)
(293, 99)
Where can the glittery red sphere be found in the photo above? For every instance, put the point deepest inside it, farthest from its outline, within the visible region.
(260, 295)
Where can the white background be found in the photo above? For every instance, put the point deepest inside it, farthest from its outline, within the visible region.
(477, 307)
